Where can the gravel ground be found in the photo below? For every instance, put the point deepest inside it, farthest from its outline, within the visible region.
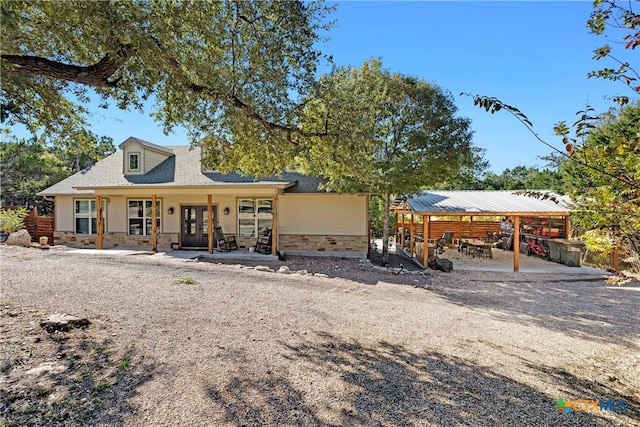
(184, 343)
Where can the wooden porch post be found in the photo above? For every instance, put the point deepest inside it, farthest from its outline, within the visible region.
(425, 252)
(401, 231)
(567, 223)
(154, 230)
(274, 226)
(100, 223)
(210, 222)
(516, 243)
(471, 227)
(412, 238)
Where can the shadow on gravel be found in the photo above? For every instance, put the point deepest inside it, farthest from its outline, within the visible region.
(69, 379)
(387, 385)
(578, 306)
(359, 271)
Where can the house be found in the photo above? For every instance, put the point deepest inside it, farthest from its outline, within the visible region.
(189, 201)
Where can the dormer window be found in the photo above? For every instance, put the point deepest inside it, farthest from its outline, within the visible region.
(134, 162)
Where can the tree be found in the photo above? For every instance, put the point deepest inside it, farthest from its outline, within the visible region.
(607, 206)
(395, 134)
(27, 167)
(83, 149)
(233, 69)
(469, 177)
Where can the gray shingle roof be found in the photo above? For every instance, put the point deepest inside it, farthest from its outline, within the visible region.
(147, 144)
(477, 202)
(182, 169)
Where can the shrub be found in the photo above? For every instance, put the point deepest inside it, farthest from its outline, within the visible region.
(12, 220)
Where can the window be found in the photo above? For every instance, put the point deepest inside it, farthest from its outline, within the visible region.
(255, 217)
(86, 216)
(140, 217)
(134, 161)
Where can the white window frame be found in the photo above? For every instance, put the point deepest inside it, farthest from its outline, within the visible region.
(139, 159)
(255, 216)
(141, 221)
(91, 214)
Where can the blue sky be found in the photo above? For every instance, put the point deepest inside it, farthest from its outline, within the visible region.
(531, 55)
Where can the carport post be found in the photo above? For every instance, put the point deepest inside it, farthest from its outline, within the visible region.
(516, 243)
(412, 236)
(425, 240)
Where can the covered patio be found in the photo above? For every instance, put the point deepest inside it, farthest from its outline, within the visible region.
(466, 214)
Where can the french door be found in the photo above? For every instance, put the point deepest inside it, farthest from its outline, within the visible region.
(195, 226)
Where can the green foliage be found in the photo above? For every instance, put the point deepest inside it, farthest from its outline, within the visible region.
(611, 16)
(607, 200)
(187, 281)
(28, 167)
(394, 134)
(598, 241)
(376, 215)
(12, 220)
(123, 364)
(232, 69)
(83, 149)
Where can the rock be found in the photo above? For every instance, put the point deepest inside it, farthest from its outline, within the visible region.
(64, 322)
(302, 272)
(320, 275)
(19, 238)
(284, 270)
(262, 268)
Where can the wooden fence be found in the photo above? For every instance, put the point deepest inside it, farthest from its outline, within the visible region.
(467, 229)
(37, 226)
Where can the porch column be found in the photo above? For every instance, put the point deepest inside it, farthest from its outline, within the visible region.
(516, 243)
(154, 230)
(471, 227)
(567, 224)
(412, 238)
(274, 226)
(425, 250)
(401, 231)
(100, 223)
(210, 222)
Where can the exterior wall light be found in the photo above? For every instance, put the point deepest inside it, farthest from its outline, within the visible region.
(226, 211)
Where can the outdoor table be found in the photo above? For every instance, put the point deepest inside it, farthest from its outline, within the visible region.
(474, 243)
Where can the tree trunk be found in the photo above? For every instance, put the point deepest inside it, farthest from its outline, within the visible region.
(385, 227)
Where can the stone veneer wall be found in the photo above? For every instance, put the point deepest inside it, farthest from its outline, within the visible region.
(323, 243)
(113, 240)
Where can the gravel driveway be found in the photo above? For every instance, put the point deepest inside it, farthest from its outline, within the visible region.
(184, 343)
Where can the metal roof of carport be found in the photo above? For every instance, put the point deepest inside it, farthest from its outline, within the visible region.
(483, 202)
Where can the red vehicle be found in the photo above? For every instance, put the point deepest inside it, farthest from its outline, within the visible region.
(537, 250)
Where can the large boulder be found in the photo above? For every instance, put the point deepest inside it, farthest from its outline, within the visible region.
(19, 238)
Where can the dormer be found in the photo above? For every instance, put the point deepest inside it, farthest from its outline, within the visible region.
(139, 156)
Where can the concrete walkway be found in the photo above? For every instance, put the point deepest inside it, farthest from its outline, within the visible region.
(181, 254)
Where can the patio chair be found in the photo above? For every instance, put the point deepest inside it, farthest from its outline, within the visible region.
(223, 243)
(263, 244)
(484, 251)
(447, 236)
